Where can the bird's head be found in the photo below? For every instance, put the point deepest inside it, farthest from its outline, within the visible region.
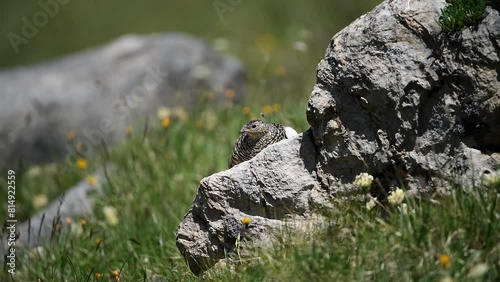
(254, 129)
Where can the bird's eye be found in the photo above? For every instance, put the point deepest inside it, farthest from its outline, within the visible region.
(254, 126)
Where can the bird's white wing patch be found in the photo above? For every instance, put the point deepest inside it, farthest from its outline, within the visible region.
(290, 132)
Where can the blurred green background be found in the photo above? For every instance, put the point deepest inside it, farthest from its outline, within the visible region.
(280, 43)
(271, 37)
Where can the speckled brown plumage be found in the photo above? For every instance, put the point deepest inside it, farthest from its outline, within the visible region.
(255, 135)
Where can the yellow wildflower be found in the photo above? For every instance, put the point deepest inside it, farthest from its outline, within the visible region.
(98, 275)
(230, 94)
(91, 180)
(396, 197)
(444, 260)
(68, 220)
(81, 164)
(267, 110)
(98, 241)
(83, 221)
(116, 272)
(246, 110)
(165, 122)
(246, 220)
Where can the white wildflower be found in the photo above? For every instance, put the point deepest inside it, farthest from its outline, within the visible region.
(163, 112)
(478, 271)
(300, 46)
(39, 201)
(371, 204)
(221, 44)
(111, 215)
(447, 278)
(34, 171)
(363, 180)
(396, 197)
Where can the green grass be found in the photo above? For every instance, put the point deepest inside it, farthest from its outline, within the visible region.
(388, 244)
(152, 186)
(155, 178)
(459, 14)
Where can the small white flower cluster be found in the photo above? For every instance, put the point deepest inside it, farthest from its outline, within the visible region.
(363, 180)
(40, 201)
(371, 203)
(396, 197)
(111, 215)
(176, 112)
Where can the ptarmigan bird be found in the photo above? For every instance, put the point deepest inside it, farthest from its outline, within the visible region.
(255, 135)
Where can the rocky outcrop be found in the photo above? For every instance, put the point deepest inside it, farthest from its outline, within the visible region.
(395, 97)
(98, 92)
(277, 182)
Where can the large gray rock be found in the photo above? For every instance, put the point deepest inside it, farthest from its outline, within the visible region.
(395, 97)
(409, 104)
(277, 182)
(98, 92)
